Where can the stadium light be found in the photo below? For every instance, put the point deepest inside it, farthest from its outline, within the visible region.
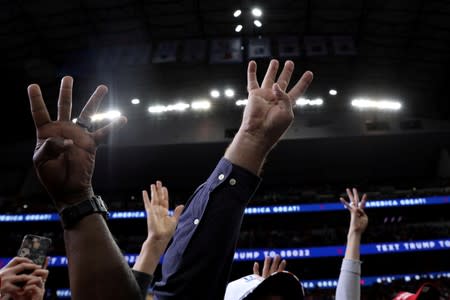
(110, 115)
(156, 109)
(229, 93)
(180, 106)
(238, 28)
(215, 93)
(135, 101)
(237, 13)
(332, 92)
(241, 102)
(257, 23)
(365, 103)
(257, 12)
(309, 102)
(201, 105)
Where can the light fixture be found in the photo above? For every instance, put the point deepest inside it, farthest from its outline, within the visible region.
(332, 92)
(215, 93)
(229, 93)
(241, 102)
(135, 101)
(257, 12)
(157, 109)
(238, 28)
(237, 13)
(180, 106)
(110, 115)
(365, 103)
(309, 102)
(257, 23)
(201, 105)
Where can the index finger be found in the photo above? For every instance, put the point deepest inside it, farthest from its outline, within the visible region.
(17, 260)
(301, 86)
(38, 109)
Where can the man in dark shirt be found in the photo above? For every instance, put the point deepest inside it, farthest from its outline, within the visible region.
(198, 262)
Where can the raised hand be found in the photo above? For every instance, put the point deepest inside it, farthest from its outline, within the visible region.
(267, 115)
(269, 110)
(160, 225)
(65, 152)
(271, 265)
(358, 218)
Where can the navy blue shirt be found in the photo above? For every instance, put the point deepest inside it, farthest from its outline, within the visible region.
(197, 264)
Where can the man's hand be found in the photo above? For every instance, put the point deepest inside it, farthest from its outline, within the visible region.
(269, 111)
(18, 286)
(267, 115)
(358, 218)
(160, 225)
(270, 266)
(65, 152)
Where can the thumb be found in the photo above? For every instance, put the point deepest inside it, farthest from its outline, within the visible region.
(178, 211)
(50, 149)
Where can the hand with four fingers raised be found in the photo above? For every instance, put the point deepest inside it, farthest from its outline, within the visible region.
(358, 218)
(65, 152)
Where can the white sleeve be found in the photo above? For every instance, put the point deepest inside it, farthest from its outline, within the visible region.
(349, 287)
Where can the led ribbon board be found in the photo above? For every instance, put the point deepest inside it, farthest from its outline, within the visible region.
(254, 210)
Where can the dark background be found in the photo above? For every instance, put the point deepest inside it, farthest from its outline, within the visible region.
(402, 52)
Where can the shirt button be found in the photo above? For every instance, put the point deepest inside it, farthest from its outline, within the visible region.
(196, 221)
(232, 181)
(221, 177)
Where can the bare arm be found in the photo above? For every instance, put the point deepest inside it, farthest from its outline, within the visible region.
(349, 286)
(64, 160)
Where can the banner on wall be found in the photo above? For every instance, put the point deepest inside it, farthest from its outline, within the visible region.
(226, 51)
(259, 48)
(288, 46)
(166, 51)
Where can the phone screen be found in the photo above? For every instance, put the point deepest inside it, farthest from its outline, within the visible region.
(35, 248)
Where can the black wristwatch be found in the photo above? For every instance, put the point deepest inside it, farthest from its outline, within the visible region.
(73, 214)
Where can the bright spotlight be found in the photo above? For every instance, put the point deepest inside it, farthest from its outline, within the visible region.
(215, 93)
(237, 13)
(238, 28)
(309, 102)
(110, 115)
(75, 120)
(180, 106)
(241, 102)
(157, 109)
(257, 23)
(257, 12)
(364, 103)
(135, 101)
(229, 93)
(201, 105)
(332, 92)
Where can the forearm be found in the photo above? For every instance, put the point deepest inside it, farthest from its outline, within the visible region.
(149, 256)
(248, 152)
(353, 243)
(96, 265)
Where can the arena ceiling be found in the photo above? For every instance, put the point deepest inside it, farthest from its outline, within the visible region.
(402, 51)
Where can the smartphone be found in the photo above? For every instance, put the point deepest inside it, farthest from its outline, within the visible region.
(35, 248)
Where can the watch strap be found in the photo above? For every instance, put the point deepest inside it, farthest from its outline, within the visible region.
(73, 214)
